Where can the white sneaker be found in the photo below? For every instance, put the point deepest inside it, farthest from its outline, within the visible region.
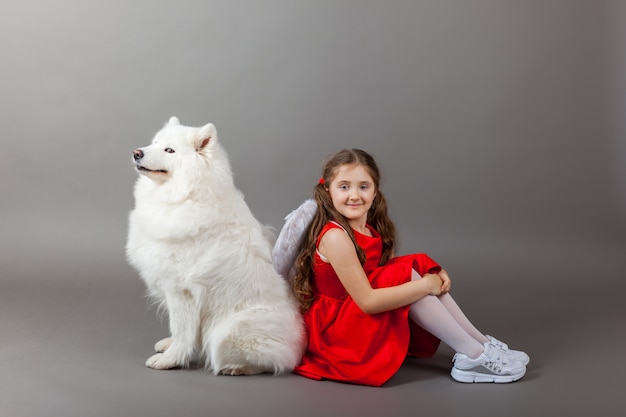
(516, 355)
(491, 366)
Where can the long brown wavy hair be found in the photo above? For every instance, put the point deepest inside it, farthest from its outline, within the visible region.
(377, 217)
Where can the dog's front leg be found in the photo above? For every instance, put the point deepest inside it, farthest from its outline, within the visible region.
(184, 321)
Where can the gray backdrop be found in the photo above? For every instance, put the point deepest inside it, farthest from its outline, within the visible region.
(498, 125)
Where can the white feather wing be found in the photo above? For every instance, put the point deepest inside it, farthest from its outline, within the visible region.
(285, 249)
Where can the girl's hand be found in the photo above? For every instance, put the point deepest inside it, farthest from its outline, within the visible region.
(446, 283)
(433, 284)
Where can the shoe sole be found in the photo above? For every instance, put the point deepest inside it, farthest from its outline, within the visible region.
(475, 377)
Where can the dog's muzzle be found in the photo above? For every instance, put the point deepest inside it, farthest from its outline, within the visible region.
(137, 157)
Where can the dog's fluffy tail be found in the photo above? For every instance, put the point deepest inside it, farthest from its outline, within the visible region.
(260, 339)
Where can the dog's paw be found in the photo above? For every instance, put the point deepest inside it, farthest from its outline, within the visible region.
(159, 361)
(162, 345)
(241, 370)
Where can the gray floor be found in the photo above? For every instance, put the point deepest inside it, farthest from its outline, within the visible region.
(76, 331)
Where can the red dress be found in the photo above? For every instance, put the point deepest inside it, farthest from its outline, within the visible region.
(344, 343)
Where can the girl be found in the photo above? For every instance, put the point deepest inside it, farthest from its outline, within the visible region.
(365, 309)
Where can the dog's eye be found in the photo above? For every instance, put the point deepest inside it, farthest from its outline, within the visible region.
(169, 150)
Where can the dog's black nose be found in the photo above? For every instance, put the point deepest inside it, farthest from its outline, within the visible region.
(137, 154)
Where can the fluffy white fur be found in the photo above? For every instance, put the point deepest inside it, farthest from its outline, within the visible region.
(207, 260)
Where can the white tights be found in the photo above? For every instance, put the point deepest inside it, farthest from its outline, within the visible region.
(441, 316)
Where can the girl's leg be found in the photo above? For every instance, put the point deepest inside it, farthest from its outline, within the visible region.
(459, 316)
(455, 311)
(431, 314)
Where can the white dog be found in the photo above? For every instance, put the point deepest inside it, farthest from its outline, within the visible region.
(207, 260)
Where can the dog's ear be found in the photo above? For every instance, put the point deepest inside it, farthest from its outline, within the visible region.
(206, 134)
(173, 121)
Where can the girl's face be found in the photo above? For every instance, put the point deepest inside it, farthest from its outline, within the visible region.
(352, 191)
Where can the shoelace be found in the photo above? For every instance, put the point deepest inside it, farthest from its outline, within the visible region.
(500, 345)
(496, 361)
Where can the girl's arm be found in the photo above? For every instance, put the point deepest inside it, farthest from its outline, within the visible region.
(339, 250)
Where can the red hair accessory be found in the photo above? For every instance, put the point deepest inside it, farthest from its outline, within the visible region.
(322, 181)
